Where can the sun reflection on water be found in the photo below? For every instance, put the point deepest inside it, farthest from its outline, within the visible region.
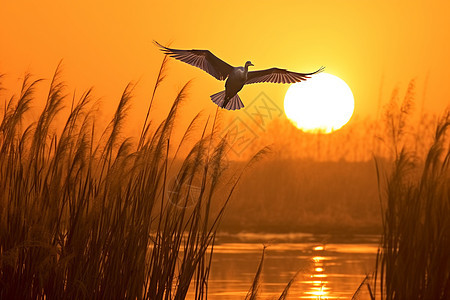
(317, 286)
(327, 271)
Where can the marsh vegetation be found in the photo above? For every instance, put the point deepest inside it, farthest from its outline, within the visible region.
(87, 212)
(92, 215)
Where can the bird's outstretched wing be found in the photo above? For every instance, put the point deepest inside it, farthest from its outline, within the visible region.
(202, 59)
(276, 75)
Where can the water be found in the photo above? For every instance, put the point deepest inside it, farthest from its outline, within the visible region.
(328, 267)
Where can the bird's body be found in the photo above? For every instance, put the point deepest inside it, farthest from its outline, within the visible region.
(235, 82)
(236, 77)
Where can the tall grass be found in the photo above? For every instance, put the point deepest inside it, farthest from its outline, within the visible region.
(414, 261)
(88, 217)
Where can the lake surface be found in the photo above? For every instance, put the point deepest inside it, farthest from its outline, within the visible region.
(330, 267)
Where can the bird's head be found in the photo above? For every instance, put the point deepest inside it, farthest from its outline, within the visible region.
(248, 63)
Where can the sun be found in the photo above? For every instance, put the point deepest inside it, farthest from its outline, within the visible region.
(323, 103)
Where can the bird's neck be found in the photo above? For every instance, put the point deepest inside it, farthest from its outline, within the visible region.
(246, 69)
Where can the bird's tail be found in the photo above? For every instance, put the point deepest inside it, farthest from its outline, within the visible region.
(233, 104)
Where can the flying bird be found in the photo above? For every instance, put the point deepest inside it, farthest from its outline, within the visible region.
(236, 77)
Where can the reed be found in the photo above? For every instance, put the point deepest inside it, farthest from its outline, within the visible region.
(413, 261)
(88, 217)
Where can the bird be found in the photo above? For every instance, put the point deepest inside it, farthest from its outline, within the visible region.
(236, 77)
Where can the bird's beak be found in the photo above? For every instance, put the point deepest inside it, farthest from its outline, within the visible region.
(251, 64)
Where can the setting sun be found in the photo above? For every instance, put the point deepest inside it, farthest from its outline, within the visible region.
(323, 103)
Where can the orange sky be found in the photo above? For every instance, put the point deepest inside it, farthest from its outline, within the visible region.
(106, 44)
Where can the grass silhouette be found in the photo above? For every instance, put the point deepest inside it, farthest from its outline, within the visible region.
(413, 260)
(83, 217)
(97, 215)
